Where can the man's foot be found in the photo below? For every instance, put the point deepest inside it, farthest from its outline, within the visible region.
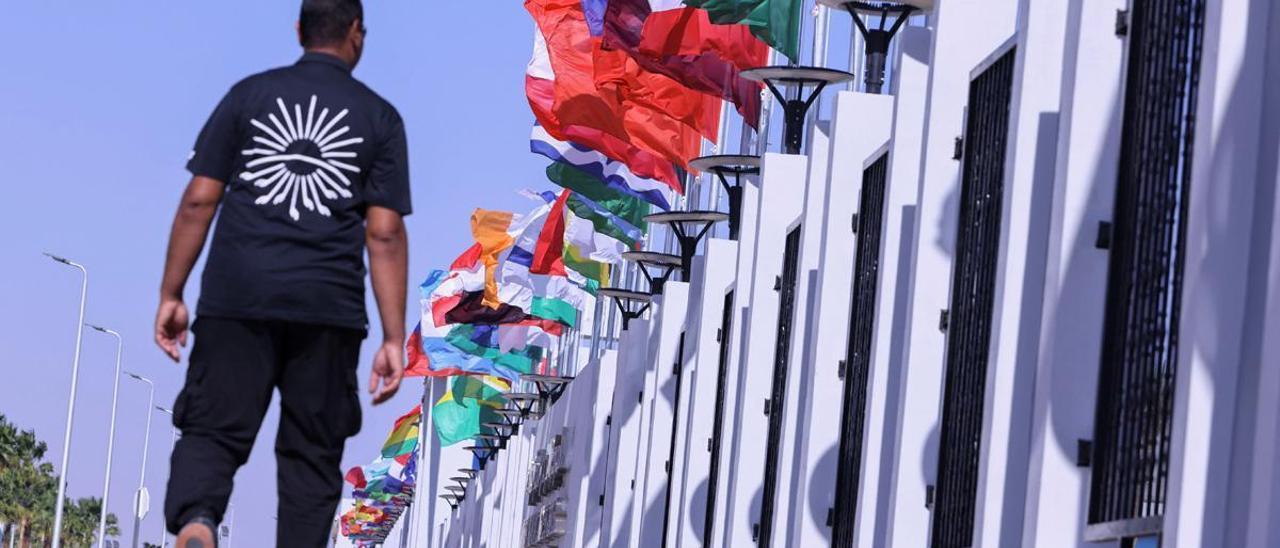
(197, 533)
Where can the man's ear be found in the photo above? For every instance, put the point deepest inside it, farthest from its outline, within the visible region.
(297, 26)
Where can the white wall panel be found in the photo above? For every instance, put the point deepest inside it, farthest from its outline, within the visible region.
(781, 199)
(660, 397)
(689, 472)
(967, 32)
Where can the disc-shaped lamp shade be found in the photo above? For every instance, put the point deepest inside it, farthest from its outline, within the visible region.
(874, 7)
(797, 75)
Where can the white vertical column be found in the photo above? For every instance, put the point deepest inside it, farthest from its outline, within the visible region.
(780, 205)
(689, 472)
(587, 476)
(968, 31)
(1253, 507)
(792, 469)
(1222, 246)
(910, 83)
(859, 127)
(1031, 159)
(744, 271)
(625, 437)
(660, 399)
(1075, 280)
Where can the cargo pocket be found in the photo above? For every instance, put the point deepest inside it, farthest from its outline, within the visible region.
(354, 416)
(188, 400)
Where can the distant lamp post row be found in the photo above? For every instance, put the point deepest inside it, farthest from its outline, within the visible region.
(141, 500)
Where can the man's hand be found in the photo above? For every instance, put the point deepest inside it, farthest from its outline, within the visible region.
(388, 369)
(171, 327)
(389, 269)
(186, 239)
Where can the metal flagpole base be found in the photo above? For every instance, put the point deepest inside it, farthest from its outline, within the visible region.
(723, 166)
(796, 106)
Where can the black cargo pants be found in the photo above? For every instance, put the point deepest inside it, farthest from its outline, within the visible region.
(235, 366)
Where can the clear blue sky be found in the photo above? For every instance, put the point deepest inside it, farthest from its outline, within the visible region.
(99, 105)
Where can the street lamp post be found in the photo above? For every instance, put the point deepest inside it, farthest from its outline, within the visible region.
(71, 402)
(231, 527)
(111, 436)
(142, 475)
(173, 443)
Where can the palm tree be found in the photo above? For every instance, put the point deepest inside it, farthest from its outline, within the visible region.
(28, 487)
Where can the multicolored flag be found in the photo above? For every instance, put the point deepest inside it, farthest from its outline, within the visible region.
(540, 87)
(482, 341)
(596, 166)
(459, 419)
(404, 436)
(608, 92)
(777, 22)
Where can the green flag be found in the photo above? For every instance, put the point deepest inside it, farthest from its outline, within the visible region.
(777, 22)
(628, 208)
(469, 339)
(601, 222)
(459, 418)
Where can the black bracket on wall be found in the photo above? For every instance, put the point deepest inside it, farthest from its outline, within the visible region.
(944, 321)
(1122, 22)
(1103, 241)
(1084, 453)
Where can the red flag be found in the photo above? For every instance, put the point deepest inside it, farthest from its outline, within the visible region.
(548, 257)
(633, 112)
(355, 477)
(683, 43)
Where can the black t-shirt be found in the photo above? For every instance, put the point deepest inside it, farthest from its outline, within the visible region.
(303, 150)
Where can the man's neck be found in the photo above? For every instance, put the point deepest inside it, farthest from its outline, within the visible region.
(336, 52)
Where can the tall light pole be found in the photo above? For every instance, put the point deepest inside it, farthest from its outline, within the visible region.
(142, 475)
(231, 527)
(71, 401)
(172, 444)
(111, 437)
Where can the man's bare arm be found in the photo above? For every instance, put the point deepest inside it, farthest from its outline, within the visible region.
(389, 269)
(186, 240)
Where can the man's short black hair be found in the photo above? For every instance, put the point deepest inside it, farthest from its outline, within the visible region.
(326, 22)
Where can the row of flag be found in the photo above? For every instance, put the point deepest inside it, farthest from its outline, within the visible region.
(624, 93)
(384, 489)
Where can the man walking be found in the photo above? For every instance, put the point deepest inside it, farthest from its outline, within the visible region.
(307, 167)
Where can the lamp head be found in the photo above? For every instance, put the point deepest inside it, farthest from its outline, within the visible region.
(57, 258)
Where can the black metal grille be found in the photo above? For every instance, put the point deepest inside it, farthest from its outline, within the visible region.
(781, 361)
(858, 356)
(677, 371)
(972, 296)
(1144, 286)
(717, 427)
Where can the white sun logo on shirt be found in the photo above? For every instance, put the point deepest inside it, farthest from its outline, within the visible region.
(302, 159)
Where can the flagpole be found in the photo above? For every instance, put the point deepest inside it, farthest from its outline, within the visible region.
(856, 55)
(821, 42)
(424, 423)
